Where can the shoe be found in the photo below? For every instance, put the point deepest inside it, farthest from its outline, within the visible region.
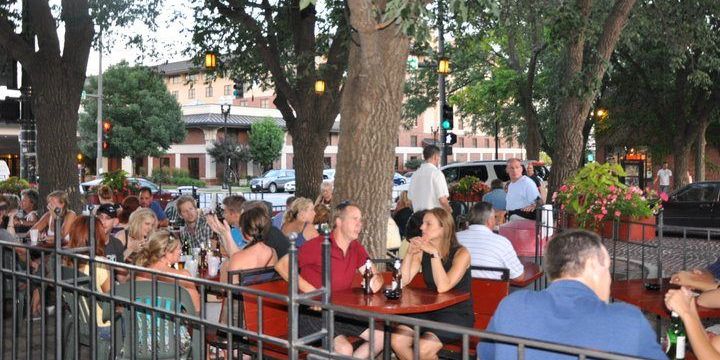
(50, 310)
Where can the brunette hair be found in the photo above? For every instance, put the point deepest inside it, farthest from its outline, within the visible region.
(298, 205)
(158, 244)
(104, 192)
(255, 223)
(403, 201)
(449, 238)
(184, 200)
(568, 252)
(33, 196)
(80, 235)
(234, 203)
(129, 205)
(322, 214)
(62, 196)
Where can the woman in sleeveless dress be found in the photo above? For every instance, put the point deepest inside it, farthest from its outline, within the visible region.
(298, 219)
(445, 266)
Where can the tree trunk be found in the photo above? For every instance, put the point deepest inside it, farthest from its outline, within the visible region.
(681, 163)
(532, 143)
(700, 144)
(309, 151)
(55, 107)
(371, 106)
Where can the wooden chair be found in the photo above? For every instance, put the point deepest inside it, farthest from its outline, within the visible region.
(487, 295)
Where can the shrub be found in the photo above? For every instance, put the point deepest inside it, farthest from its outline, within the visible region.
(13, 185)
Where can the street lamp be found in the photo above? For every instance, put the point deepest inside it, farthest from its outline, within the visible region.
(210, 60)
(319, 87)
(443, 66)
(225, 110)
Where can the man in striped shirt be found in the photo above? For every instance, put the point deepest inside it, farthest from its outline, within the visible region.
(487, 248)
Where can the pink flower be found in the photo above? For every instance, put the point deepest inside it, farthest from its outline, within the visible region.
(663, 196)
(564, 188)
(599, 216)
(628, 196)
(617, 213)
(554, 196)
(612, 188)
(604, 211)
(562, 206)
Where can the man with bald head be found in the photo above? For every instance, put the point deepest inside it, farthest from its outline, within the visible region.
(522, 192)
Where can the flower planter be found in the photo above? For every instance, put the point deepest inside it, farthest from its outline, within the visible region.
(631, 229)
(466, 197)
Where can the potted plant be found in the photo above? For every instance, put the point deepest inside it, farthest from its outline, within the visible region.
(13, 185)
(117, 181)
(469, 189)
(594, 197)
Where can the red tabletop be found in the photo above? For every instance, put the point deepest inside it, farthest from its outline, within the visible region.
(651, 301)
(413, 300)
(531, 273)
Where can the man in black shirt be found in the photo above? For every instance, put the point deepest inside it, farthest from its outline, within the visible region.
(107, 213)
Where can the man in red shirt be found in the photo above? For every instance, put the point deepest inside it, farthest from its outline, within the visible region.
(348, 256)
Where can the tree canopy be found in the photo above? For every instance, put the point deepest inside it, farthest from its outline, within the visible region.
(146, 119)
(266, 142)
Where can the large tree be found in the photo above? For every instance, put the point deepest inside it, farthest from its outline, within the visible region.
(146, 119)
(56, 71)
(278, 44)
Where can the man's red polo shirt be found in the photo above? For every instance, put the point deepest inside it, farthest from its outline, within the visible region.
(343, 266)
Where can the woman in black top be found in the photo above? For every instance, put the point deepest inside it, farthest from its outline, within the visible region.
(445, 266)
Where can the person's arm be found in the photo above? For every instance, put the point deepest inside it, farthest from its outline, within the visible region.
(411, 262)
(696, 279)
(42, 224)
(282, 267)
(225, 233)
(682, 303)
(446, 281)
(163, 223)
(67, 223)
(445, 203)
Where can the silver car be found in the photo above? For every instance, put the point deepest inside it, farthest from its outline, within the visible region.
(272, 181)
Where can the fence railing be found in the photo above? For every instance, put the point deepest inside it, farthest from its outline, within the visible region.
(151, 314)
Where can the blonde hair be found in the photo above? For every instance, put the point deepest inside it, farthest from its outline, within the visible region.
(62, 197)
(158, 244)
(299, 204)
(137, 218)
(403, 201)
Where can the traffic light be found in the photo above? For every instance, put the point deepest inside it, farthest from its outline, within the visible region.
(238, 89)
(107, 128)
(450, 139)
(447, 121)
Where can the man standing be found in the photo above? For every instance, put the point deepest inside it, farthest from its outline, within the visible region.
(496, 196)
(348, 257)
(663, 177)
(146, 200)
(196, 230)
(487, 248)
(574, 309)
(522, 192)
(428, 188)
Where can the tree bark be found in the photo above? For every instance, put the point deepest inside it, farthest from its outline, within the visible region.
(700, 144)
(575, 106)
(371, 115)
(308, 150)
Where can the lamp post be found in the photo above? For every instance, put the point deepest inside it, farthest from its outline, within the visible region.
(225, 110)
(443, 70)
(497, 139)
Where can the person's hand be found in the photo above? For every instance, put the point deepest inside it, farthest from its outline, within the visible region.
(529, 208)
(427, 246)
(13, 213)
(696, 279)
(681, 278)
(220, 229)
(414, 248)
(680, 301)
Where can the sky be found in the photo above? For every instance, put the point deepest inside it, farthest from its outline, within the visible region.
(170, 40)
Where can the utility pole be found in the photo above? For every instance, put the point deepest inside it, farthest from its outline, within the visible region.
(441, 82)
(99, 153)
(28, 129)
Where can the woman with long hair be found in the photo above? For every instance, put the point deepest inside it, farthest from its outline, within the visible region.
(297, 218)
(141, 224)
(79, 238)
(127, 207)
(56, 200)
(445, 266)
(402, 212)
(161, 251)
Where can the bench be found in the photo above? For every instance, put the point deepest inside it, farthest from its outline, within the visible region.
(487, 295)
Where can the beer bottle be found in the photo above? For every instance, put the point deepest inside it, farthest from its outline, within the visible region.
(203, 264)
(676, 338)
(367, 276)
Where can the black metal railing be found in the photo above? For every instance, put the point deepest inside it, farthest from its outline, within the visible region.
(152, 318)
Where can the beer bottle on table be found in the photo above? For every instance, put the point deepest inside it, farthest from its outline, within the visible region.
(676, 338)
(367, 276)
(397, 277)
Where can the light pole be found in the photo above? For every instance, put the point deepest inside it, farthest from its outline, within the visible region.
(441, 82)
(225, 110)
(99, 153)
(497, 131)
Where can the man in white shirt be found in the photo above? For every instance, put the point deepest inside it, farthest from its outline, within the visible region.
(663, 176)
(487, 248)
(428, 188)
(522, 192)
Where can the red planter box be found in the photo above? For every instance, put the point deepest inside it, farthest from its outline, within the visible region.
(465, 197)
(632, 229)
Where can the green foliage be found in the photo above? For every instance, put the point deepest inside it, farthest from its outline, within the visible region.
(413, 164)
(146, 119)
(221, 150)
(266, 142)
(13, 185)
(116, 180)
(176, 176)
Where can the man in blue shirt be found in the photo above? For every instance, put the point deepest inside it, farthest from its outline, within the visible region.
(146, 200)
(522, 192)
(574, 309)
(277, 220)
(496, 197)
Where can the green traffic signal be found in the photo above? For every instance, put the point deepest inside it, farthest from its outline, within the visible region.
(446, 125)
(447, 117)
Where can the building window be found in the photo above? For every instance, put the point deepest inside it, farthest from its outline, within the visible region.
(474, 140)
(462, 142)
(227, 90)
(175, 94)
(191, 93)
(209, 91)
(175, 79)
(264, 103)
(165, 162)
(487, 142)
(413, 140)
(192, 77)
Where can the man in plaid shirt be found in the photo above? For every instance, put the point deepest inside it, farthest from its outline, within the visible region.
(196, 230)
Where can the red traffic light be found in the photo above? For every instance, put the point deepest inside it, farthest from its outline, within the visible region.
(105, 145)
(107, 126)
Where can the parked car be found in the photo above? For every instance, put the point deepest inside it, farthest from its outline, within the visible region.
(489, 170)
(272, 181)
(695, 205)
(329, 174)
(398, 179)
(290, 186)
(163, 197)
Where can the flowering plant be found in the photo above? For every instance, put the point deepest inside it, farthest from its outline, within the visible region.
(119, 183)
(470, 185)
(595, 194)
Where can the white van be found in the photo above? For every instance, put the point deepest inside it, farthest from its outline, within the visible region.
(4, 170)
(489, 170)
